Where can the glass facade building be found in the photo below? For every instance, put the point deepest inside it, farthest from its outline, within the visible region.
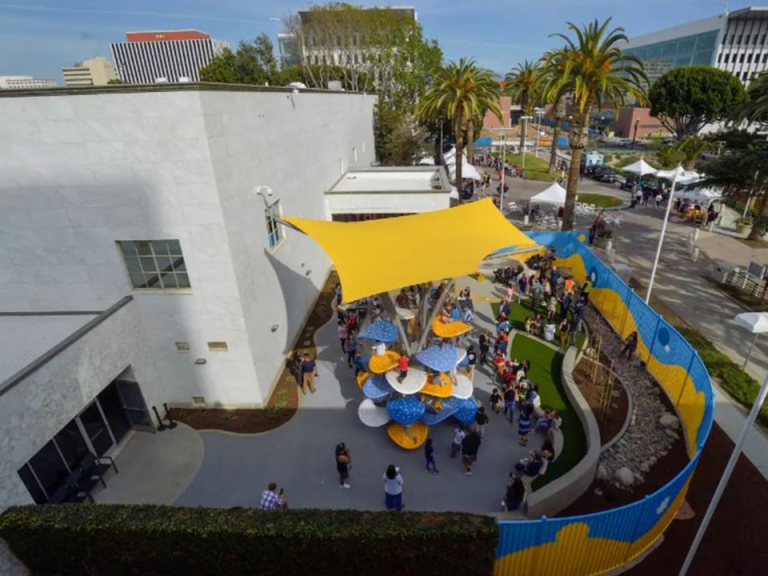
(687, 50)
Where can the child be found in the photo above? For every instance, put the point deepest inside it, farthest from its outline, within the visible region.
(551, 308)
(402, 364)
(458, 435)
(429, 455)
(496, 401)
(524, 423)
(481, 420)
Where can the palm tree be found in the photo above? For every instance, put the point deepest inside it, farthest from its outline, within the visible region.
(691, 148)
(559, 108)
(460, 92)
(523, 84)
(756, 108)
(593, 69)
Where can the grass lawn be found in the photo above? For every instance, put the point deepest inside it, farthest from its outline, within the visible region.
(546, 368)
(535, 168)
(519, 312)
(599, 200)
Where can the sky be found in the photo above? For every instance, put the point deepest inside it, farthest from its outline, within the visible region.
(39, 37)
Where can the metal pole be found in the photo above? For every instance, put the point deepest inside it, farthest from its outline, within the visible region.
(751, 191)
(726, 476)
(749, 354)
(525, 137)
(503, 171)
(661, 240)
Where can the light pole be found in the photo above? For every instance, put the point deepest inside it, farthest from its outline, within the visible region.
(634, 134)
(539, 113)
(503, 170)
(746, 429)
(524, 120)
(677, 173)
(751, 191)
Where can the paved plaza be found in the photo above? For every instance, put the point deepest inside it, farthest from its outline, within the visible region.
(300, 455)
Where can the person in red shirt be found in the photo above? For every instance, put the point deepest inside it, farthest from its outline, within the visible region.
(402, 364)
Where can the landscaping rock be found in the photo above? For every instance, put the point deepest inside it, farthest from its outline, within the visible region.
(669, 421)
(672, 434)
(625, 476)
(602, 472)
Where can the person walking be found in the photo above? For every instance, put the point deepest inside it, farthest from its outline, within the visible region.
(629, 346)
(481, 421)
(524, 423)
(514, 494)
(564, 328)
(343, 464)
(393, 488)
(510, 398)
(469, 449)
(429, 457)
(343, 333)
(308, 374)
(351, 350)
(485, 347)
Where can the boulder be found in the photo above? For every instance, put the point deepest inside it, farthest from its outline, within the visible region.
(669, 421)
(624, 476)
(602, 472)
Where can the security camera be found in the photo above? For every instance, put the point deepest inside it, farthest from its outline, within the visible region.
(264, 190)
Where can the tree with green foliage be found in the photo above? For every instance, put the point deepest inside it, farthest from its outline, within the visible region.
(252, 63)
(742, 173)
(557, 61)
(115, 81)
(461, 92)
(755, 110)
(594, 71)
(523, 84)
(688, 98)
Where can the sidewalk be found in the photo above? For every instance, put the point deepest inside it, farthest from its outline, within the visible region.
(680, 286)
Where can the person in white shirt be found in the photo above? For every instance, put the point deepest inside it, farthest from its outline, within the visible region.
(549, 331)
(380, 348)
(393, 488)
(458, 435)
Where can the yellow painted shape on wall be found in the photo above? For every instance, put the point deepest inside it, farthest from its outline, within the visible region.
(574, 553)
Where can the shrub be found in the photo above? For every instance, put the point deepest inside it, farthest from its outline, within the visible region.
(734, 380)
(77, 539)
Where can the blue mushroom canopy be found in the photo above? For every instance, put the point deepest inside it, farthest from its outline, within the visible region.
(377, 387)
(439, 359)
(406, 410)
(380, 330)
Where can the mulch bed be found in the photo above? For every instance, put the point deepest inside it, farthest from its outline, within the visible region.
(734, 544)
(284, 401)
(616, 413)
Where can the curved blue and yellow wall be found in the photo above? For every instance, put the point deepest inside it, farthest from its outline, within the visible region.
(600, 542)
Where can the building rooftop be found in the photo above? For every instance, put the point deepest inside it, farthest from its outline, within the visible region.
(750, 13)
(25, 338)
(393, 180)
(161, 87)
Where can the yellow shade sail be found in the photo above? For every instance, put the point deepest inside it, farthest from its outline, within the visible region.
(375, 256)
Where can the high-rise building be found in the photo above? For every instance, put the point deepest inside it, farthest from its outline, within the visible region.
(735, 41)
(24, 83)
(94, 72)
(164, 56)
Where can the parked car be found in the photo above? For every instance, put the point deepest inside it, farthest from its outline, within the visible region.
(605, 174)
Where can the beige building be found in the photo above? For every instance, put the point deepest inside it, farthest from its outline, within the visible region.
(95, 72)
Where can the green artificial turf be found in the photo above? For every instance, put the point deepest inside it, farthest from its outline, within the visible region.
(546, 370)
(519, 312)
(599, 200)
(535, 168)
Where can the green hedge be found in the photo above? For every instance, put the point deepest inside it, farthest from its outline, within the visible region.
(77, 539)
(733, 379)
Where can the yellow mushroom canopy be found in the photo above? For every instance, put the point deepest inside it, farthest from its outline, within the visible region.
(376, 256)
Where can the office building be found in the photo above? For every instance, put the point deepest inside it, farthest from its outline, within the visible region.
(288, 50)
(164, 56)
(24, 83)
(735, 41)
(94, 72)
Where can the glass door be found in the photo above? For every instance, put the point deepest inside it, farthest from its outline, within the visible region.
(134, 405)
(96, 429)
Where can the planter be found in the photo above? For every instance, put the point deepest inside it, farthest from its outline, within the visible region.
(603, 243)
(741, 228)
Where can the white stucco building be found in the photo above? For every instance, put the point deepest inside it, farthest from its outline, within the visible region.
(138, 266)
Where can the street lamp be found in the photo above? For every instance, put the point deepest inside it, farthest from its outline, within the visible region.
(265, 192)
(676, 175)
(539, 113)
(503, 170)
(634, 134)
(524, 120)
(757, 323)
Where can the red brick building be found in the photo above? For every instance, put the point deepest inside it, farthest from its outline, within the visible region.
(647, 125)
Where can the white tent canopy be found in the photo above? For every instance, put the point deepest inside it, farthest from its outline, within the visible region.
(467, 171)
(555, 194)
(641, 168)
(427, 161)
(681, 174)
(755, 322)
(454, 195)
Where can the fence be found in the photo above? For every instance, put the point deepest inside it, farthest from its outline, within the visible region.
(596, 543)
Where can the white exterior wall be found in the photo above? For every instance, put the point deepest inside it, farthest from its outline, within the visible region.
(33, 411)
(389, 203)
(79, 172)
(744, 59)
(299, 145)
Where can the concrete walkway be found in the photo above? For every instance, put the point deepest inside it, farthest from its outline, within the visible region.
(680, 285)
(300, 455)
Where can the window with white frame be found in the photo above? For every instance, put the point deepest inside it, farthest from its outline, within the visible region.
(274, 228)
(155, 264)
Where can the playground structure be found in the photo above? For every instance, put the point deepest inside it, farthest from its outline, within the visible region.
(588, 544)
